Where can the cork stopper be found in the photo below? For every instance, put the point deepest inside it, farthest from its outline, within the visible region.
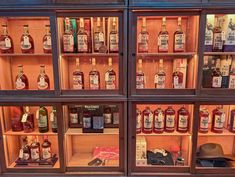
(179, 20)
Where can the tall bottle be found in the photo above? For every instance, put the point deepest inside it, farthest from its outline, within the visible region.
(53, 119)
(225, 68)
(206, 74)
(73, 117)
(28, 121)
(147, 121)
(26, 41)
(35, 149)
(160, 77)
(169, 119)
(46, 148)
(47, 47)
(94, 77)
(229, 45)
(42, 116)
(82, 37)
(107, 114)
(25, 150)
(218, 120)
(43, 79)
(209, 37)
(163, 38)
(110, 77)
(216, 75)
(232, 76)
(140, 78)
(177, 78)
(21, 81)
(138, 121)
(218, 41)
(204, 118)
(232, 121)
(158, 121)
(183, 120)
(6, 42)
(78, 77)
(143, 38)
(113, 37)
(98, 36)
(68, 39)
(179, 38)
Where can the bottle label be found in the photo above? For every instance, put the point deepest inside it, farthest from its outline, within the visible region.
(219, 121)
(25, 44)
(179, 42)
(20, 84)
(216, 81)
(139, 82)
(204, 123)
(177, 83)
(225, 70)
(160, 81)
(110, 81)
(170, 121)
(77, 82)
(113, 42)
(82, 43)
(183, 122)
(26, 156)
(24, 118)
(53, 120)
(116, 118)
(47, 43)
(68, 43)
(209, 37)
(42, 121)
(163, 42)
(73, 118)
(143, 42)
(232, 82)
(98, 40)
(94, 82)
(35, 153)
(159, 121)
(138, 122)
(107, 118)
(148, 121)
(21, 154)
(230, 39)
(46, 153)
(86, 122)
(42, 84)
(218, 41)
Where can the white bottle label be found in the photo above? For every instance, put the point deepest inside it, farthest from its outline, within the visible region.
(116, 118)
(35, 153)
(139, 82)
(110, 81)
(204, 123)
(179, 42)
(42, 84)
(143, 42)
(176, 83)
(232, 82)
(218, 42)
(82, 43)
(113, 42)
(163, 42)
(148, 121)
(73, 118)
(47, 43)
(170, 121)
(46, 153)
(19, 84)
(216, 81)
(183, 122)
(209, 37)
(219, 121)
(160, 81)
(225, 69)
(42, 121)
(159, 121)
(24, 118)
(107, 118)
(86, 122)
(68, 42)
(94, 82)
(7, 42)
(77, 82)
(26, 156)
(139, 123)
(230, 38)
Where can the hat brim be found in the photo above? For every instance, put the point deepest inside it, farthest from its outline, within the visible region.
(227, 157)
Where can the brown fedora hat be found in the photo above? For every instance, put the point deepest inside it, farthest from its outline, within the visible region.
(212, 151)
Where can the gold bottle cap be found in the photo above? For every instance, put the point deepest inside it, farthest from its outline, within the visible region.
(27, 109)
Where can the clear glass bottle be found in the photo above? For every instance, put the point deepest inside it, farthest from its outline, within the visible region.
(163, 38)
(78, 77)
(68, 38)
(47, 47)
(6, 42)
(26, 41)
(216, 75)
(110, 76)
(43, 79)
(143, 38)
(21, 81)
(94, 77)
(218, 41)
(140, 78)
(179, 38)
(113, 37)
(82, 38)
(160, 76)
(43, 124)
(98, 36)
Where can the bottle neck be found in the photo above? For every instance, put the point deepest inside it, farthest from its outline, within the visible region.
(5, 32)
(26, 31)
(20, 70)
(67, 29)
(42, 71)
(48, 32)
(77, 67)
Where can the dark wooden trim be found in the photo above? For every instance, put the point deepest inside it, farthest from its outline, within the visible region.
(165, 92)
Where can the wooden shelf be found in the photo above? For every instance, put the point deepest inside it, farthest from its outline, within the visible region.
(36, 132)
(24, 54)
(219, 53)
(78, 131)
(225, 133)
(82, 159)
(90, 54)
(183, 54)
(175, 133)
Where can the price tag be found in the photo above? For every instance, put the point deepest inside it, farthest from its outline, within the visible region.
(51, 116)
(48, 40)
(106, 76)
(8, 42)
(21, 154)
(26, 40)
(24, 118)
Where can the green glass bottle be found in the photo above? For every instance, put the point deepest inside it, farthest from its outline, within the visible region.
(43, 124)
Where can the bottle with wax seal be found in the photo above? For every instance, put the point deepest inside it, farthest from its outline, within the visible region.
(158, 121)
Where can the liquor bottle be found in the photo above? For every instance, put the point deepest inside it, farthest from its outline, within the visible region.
(42, 116)
(28, 121)
(25, 150)
(46, 148)
(206, 74)
(225, 68)
(35, 149)
(169, 119)
(47, 47)
(163, 38)
(229, 45)
(147, 121)
(216, 75)
(177, 79)
(183, 120)
(160, 77)
(138, 121)
(143, 38)
(98, 36)
(110, 77)
(68, 39)
(232, 76)
(43, 79)
(232, 121)
(113, 37)
(204, 118)
(179, 38)
(86, 121)
(94, 77)
(53, 119)
(78, 77)
(6, 42)
(218, 40)
(209, 37)
(21, 81)
(158, 121)
(140, 78)
(218, 120)
(16, 115)
(26, 41)
(82, 38)
(116, 116)
(73, 117)
(107, 114)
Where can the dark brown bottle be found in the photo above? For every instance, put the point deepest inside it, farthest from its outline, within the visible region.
(143, 38)
(47, 47)
(232, 121)
(43, 124)
(35, 149)
(26, 41)
(46, 148)
(204, 120)
(147, 121)
(179, 38)
(98, 36)
(209, 37)
(43, 79)
(110, 77)
(82, 38)
(107, 115)
(113, 37)
(68, 38)
(53, 119)
(73, 117)
(169, 119)
(6, 43)
(138, 121)
(25, 151)
(206, 74)
(78, 77)
(177, 79)
(140, 78)
(28, 121)
(21, 81)
(16, 115)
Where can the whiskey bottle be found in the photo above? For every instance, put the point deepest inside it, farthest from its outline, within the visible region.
(218, 35)
(110, 77)
(46, 41)
(42, 116)
(98, 36)
(94, 77)
(86, 121)
(169, 119)
(209, 37)
(53, 119)
(147, 121)
(6, 42)
(43, 79)
(229, 45)
(138, 121)
(143, 38)
(68, 39)
(16, 117)
(158, 121)
(113, 37)
(216, 75)
(46, 148)
(232, 121)
(82, 38)
(26, 41)
(160, 77)
(183, 120)
(116, 115)
(218, 120)
(78, 77)
(163, 38)
(21, 81)
(35, 149)
(140, 78)
(232, 75)
(204, 118)
(177, 78)
(73, 117)
(25, 150)
(179, 38)
(107, 114)
(224, 69)
(206, 74)
(28, 121)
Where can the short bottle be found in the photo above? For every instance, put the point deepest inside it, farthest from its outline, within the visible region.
(206, 74)
(218, 41)
(68, 38)
(163, 38)
(204, 119)
(26, 41)
(25, 150)
(53, 119)
(16, 117)
(110, 77)
(94, 77)
(99, 37)
(138, 121)
(147, 121)
(113, 37)
(107, 114)
(218, 120)
(179, 38)
(177, 79)
(140, 78)
(47, 47)
(46, 149)
(21, 81)
(160, 77)
(6, 42)
(232, 75)
(216, 75)
(169, 120)
(209, 37)
(232, 121)
(43, 124)
(143, 38)
(82, 38)
(78, 77)
(35, 149)
(73, 117)
(28, 121)
(43, 79)
(183, 120)
(158, 121)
